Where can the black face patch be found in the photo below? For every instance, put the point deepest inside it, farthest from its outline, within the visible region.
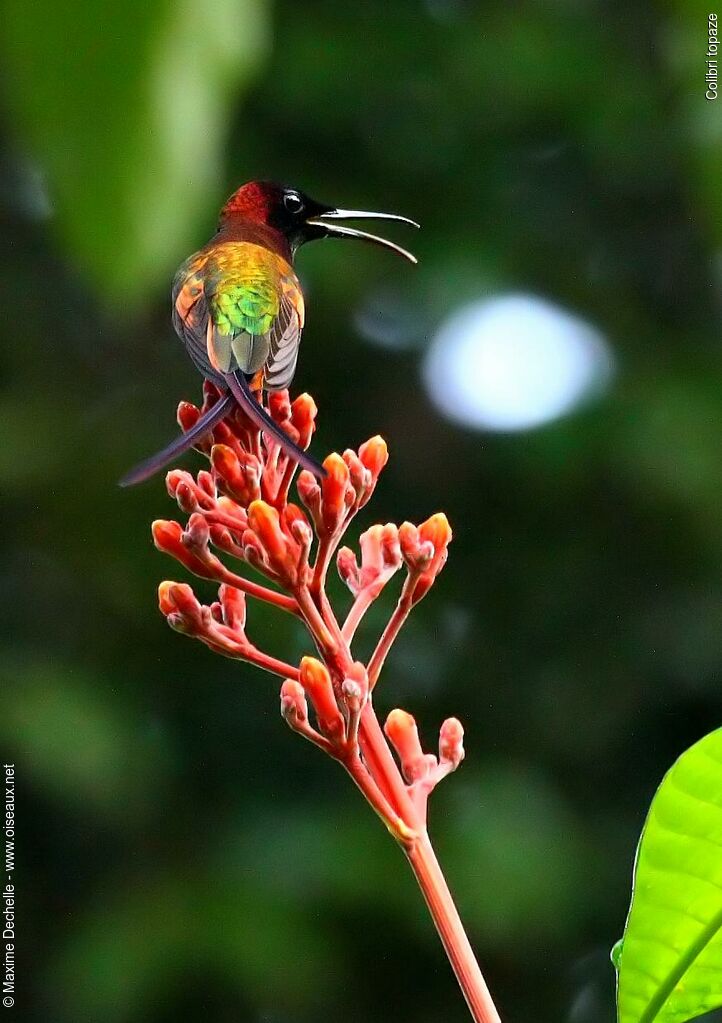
(290, 212)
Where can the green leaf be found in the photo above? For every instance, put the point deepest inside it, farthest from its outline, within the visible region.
(670, 961)
(126, 106)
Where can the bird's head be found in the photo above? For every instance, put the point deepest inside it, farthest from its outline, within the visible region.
(301, 219)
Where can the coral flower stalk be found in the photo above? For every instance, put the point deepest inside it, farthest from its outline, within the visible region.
(240, 511)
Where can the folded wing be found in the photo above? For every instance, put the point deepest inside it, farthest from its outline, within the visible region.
(239, 307)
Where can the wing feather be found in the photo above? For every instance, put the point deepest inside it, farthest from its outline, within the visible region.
(285, 339)
(190, 313)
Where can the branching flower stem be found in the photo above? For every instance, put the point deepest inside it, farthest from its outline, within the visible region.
(390, 798)
(393, 628)
(443, 912)
(240, 509)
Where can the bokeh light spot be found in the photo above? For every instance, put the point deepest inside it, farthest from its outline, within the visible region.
(514, 362)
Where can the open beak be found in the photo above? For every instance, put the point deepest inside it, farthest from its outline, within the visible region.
(333, 230)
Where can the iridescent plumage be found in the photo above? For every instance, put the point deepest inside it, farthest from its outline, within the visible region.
(238, 306)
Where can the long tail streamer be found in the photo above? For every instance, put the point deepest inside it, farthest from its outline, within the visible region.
(152, 465)
(244, 396)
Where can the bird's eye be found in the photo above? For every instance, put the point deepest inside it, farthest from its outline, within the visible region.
(293, 202)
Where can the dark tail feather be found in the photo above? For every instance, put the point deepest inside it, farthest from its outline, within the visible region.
(206, 423)
(255, 411)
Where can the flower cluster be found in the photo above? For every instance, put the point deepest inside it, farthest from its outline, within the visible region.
(239, 517)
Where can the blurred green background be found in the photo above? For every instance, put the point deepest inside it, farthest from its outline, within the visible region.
(181, 854)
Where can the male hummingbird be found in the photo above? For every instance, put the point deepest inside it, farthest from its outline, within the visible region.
(238, 305)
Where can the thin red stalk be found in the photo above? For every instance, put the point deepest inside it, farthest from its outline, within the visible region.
(315, 621)
(326, 548)
(385, 773)
(451, 930)
(320, 569)
(360, 606)
(245, 652)
(377, 756)
(285, 484)
(383, 769)
(281, 600)
(375, 796)
(397, 619)
(219, 518)
(272, 664)
(308, 732)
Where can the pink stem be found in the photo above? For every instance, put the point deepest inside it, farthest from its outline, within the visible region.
(451, 930)
(389, 795)
(360, 606)
(353, 619)
(285, 484)
(397, 619)
(281, 600)
(374, 796)
(272, 664)
(383, 769)
(244, 651)
(323, 559)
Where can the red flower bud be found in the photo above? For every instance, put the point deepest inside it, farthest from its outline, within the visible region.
(253, 551)
(303, 417)
(380, 554)
(225, 462)
(168, 537)
(334, 487)
(222, 538)
(374, 454)
(359, 475)
(263, 520)
(425, 551)
(187, 415)
(240, 477)
(233, 605)
(317, 685)
(451, 743)
(293, 516)
(436, 530)
(280, 552)
(166, 603)
(409, 539)
(390, 546)
(348, 569)
(403, 735)
(186, 498)
(196, 534)
(294, 708)
(174, 478)
(310, 493)
(299, 529)
(416, 557)
(355, 687)
(211, 394)
(207, 483)
(233, 512)
(178, 603)
(279, 406)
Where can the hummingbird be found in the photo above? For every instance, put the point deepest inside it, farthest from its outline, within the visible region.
(238, 306)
